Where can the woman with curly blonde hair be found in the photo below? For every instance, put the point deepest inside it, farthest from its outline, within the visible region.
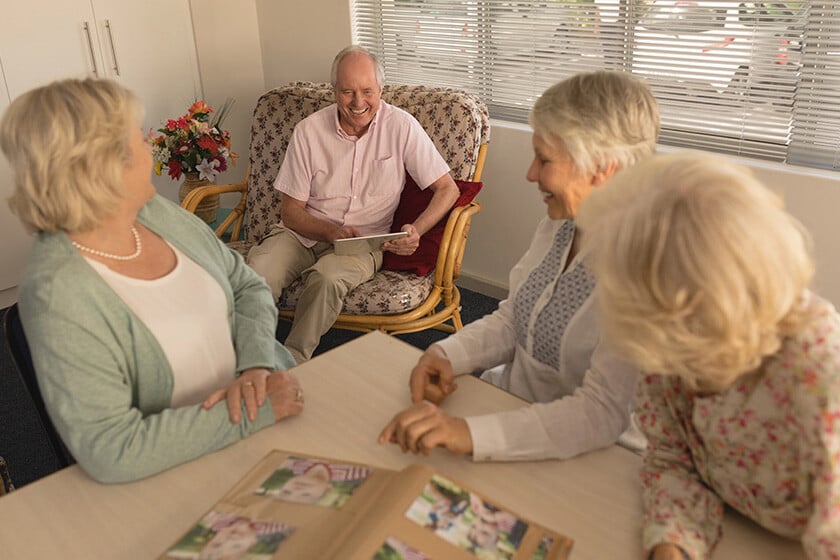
(703, 283)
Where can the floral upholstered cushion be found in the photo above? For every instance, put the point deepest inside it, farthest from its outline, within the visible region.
(387, 293)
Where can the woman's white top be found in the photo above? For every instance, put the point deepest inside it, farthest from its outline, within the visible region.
(544, 345)
(187, 313)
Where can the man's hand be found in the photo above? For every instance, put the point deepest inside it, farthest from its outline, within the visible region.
(424, 426)
(432, 378)
(405, 245)
(296, 218)
(342, 232)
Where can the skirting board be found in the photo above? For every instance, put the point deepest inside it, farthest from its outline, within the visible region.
(482, 286)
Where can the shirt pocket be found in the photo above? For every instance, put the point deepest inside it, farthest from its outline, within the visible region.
(385, 177)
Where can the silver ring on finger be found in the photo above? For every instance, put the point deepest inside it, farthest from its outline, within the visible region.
(299, 395)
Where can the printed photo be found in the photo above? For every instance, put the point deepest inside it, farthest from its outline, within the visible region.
(227, 536)
(309, 481)
(465, 520)
(542, 550)
(394, 549)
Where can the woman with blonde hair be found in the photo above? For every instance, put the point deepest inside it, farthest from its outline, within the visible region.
(703, 283)
(543, 342)
(139, 320)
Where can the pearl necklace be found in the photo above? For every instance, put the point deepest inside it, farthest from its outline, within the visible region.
(138, 248)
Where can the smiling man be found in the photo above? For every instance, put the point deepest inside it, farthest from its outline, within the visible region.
(342, 177)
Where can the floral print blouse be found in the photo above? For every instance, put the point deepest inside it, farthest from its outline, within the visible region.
(768, 446)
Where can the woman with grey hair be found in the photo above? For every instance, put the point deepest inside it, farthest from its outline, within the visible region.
(703, 283)
(543, 342)
(139, 320)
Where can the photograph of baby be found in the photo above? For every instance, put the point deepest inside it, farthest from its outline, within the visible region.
(309, 481)
(394, 549)
(227, 536)
(465, 520)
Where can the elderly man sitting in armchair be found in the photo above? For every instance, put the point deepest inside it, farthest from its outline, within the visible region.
(342, 176)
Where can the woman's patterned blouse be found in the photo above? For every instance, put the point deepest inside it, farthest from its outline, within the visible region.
(768, 446)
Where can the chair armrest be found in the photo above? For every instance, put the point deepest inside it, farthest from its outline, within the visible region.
(453, 243)
(479, 162)
(195, 196)
(237, 214)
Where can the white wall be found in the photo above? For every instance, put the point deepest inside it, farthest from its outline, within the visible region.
(299, 39)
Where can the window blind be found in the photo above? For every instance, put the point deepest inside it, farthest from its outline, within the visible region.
(756, 79)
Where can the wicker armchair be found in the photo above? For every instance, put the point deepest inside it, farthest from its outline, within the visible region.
(393, 302)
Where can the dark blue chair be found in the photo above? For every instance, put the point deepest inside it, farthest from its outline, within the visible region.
(29, 442)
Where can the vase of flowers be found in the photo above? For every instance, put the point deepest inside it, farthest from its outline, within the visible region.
(195, 146)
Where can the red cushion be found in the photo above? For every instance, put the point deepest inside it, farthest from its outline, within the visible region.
(412, 203)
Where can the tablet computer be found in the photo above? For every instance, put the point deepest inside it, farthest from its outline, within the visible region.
(365, 244)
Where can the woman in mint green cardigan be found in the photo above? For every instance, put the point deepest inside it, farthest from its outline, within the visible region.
(139, 320)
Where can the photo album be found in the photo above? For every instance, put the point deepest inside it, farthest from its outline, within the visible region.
(294, 507)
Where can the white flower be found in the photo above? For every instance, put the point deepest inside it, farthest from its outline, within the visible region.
(160, 153)
(207, 170)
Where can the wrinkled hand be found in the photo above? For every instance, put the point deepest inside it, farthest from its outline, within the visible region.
(424, 426)
(248, 387)
(252, 388)
(285, 394)
(432, 378)
(666, 551)
(404, 245)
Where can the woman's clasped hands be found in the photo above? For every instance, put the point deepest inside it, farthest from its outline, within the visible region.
(252, 387)
(424, 426)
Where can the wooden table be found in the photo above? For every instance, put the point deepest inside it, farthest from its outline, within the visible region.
(351, 392)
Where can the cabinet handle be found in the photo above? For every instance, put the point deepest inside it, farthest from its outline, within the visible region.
(86, 27)
(113, 50)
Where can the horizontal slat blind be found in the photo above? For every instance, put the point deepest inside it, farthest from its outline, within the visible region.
(816, 116)
(746, 78)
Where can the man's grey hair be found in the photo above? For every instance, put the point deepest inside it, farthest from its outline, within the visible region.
(380, 71)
